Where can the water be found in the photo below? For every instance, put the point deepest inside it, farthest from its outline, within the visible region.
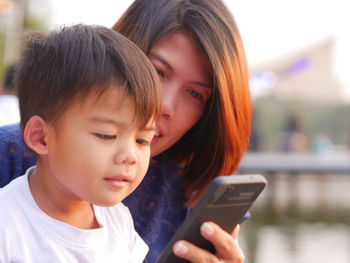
(305, 220)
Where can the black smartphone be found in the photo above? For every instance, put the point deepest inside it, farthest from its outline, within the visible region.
(225, 202)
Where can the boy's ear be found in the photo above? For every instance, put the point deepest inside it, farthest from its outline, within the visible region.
(34, 135)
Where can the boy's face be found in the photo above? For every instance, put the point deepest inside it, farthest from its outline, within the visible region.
(95, 151)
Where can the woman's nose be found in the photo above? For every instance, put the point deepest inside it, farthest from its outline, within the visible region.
(169, 100)
(126, 154)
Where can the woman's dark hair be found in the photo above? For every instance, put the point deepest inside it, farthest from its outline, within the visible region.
(215, 145)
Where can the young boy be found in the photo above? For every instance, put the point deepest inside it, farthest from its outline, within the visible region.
(89, 99)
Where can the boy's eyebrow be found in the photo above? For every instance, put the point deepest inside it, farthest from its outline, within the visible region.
(149, 128)
(166, 64)
(111, 121)
(102, 119)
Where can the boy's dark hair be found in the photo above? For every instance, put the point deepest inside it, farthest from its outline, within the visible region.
(8, 81)
(71, 62)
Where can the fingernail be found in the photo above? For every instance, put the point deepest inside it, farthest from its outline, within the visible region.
(180, 248)
(207, 230)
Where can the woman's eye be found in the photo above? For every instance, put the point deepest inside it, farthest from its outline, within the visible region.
(161, 73)
(195, 94)
(105, 137)
(142, 142)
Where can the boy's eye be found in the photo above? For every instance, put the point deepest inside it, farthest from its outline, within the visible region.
(105, 137)
(142, 142)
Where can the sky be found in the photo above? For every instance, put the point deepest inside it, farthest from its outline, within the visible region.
(269, 28)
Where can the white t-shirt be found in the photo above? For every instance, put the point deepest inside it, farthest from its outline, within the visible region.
(29, 235)
(9, 110)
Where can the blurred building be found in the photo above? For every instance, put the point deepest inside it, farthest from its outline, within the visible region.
(12, 14)
(306, 75)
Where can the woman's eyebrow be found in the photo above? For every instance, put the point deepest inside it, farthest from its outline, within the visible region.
(202, 84)
(162, 60)
(166, 64)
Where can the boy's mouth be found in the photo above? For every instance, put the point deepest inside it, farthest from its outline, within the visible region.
(117, 181)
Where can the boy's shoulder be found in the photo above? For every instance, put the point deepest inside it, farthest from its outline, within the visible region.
(11, 189)
(13, 215)
(10, 198)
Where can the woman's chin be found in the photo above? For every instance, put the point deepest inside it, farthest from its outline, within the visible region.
(157, 146)
(155, 151)
(154, 141)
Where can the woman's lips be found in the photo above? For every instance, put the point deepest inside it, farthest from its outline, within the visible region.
(157, 136)
(154, 140)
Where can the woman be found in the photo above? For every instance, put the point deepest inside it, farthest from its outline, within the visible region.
(196, 49)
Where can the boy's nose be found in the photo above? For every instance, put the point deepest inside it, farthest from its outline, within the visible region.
(126, 155)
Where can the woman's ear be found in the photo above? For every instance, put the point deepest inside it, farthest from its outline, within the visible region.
(34, 135)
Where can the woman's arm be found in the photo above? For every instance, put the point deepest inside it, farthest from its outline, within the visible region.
(226, 245)
(13, 161)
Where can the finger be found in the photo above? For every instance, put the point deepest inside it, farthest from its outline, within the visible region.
(192, 253)
(226, 246)
(235, 232)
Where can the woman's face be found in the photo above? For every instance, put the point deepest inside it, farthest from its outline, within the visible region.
(185, 74)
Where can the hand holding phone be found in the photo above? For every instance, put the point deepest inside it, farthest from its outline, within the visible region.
(225, 202)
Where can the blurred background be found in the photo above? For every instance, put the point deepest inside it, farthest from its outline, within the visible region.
(299, 58)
